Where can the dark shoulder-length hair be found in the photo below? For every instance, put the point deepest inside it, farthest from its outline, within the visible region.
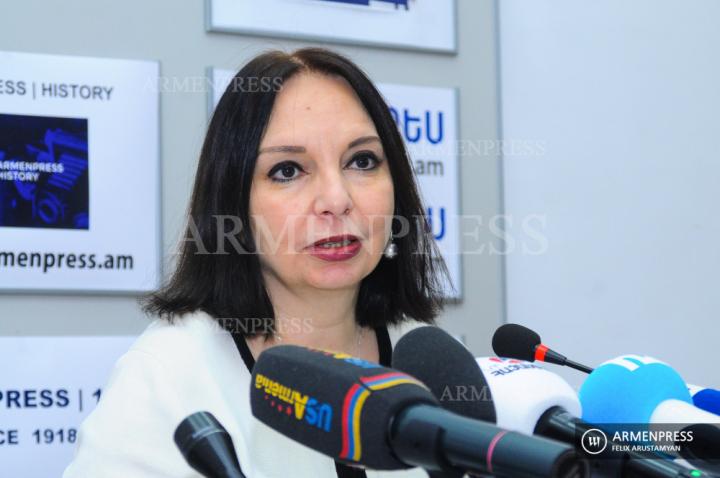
(216, 276)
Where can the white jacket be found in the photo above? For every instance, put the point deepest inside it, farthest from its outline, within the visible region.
(170, 372)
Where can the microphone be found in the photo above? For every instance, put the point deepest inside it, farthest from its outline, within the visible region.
(410, 355)
(706, 399)
(652, 393)
(526, 395)
(456, 380)
(514, 394)
(364, 414)
(207, 446)
(519, 342)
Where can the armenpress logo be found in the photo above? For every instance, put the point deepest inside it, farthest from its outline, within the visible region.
(594, 441)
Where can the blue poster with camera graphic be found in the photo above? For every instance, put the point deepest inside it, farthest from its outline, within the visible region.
(43, 172)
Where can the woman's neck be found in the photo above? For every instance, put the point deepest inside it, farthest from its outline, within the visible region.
(323, 319)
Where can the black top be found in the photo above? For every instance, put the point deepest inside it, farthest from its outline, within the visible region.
(385, 352)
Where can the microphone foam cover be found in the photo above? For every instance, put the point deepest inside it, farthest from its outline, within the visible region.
(708, 400)
(524, 391)
(336, 404)
(206, 445)
(628, 389)
(515, 341)
(448, 369)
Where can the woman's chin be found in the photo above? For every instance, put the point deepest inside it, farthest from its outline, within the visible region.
(333, 275)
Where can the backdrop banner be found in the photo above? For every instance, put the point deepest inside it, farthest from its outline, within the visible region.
(49, 385)
(79, 182)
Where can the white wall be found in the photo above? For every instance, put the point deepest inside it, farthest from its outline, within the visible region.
(625, 96)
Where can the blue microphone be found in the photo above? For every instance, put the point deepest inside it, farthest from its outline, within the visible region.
(645, 385)
(706, 399)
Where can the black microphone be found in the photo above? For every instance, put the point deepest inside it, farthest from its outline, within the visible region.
(363, 414)
(451, 379)
(207, 446)
(416, 354)
(411, 356)
(519, 342)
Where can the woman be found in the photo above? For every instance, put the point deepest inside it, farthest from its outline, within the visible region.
(305, 227)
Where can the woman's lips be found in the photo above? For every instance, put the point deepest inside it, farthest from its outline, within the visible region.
(339, 253)
(337, 238)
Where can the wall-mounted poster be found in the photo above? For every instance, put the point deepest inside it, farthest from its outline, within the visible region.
(79, 180)
(428, 121)
(49, 385)
(410, 24)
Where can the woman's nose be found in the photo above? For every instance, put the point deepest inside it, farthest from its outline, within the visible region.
(332, 195)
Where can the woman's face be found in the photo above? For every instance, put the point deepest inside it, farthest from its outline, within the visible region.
(321, 171)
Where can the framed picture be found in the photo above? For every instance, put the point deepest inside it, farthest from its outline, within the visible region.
(79, 174)
(409, 24)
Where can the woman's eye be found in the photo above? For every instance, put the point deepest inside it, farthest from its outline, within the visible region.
(365, 160)
(284, 172)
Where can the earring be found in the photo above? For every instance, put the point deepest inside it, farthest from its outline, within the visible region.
(391, 250)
